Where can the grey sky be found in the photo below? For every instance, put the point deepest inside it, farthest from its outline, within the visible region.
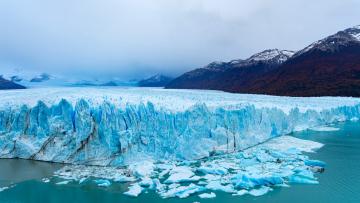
(137, 38)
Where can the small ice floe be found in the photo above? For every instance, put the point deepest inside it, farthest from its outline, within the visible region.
(324, 129)
(354, 119)
(240, 193)
(209, 177)
(216, 170)
(45, 180)
(6, 187)
(260, 191)
(3, 188)
(134, 190)
(81, 173)
(181, 174)
(285, 143)
(302, 180)
(182, 191)
(315, 163)
(217, 186)
(202, 183)
(249, 181)
(207, 195)
(82, 180)
(158, 186)
(102, 183)
(142, 169)
(63, 182)
(152, 184)
(124, 179)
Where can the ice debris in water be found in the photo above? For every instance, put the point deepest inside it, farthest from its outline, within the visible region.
(254, 171)
(260, 191)
(45, 180)
(134, 190)
(181, 174)
(325, 128)
(63, 182)
(3, 188)
(81, 173)
(6, 187)
(207, 195)
(103, 182)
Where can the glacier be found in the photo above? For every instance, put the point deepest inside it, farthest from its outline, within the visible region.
(121, 126)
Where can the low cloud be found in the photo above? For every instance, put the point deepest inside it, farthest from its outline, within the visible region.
(136, 38)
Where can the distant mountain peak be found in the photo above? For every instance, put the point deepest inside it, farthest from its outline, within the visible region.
(157, 80)
(333, 43)
(328, 67)
(41, 78)
(216, 65)
(272, 54)
(354, 31)
(6, 84)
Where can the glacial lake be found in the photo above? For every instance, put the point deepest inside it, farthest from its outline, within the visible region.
(339, 183)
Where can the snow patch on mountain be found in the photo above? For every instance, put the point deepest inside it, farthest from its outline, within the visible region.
(331, 43)
(270, 54)
(355, 32)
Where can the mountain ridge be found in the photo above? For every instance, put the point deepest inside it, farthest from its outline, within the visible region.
(7, 84)
(157, 80)
(327, 67)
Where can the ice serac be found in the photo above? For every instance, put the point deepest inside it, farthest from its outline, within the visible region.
(118, 130)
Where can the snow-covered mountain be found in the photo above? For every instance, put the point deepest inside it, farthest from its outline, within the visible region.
(334, 43)
(225, 75)
(157, 80)
(328, 67)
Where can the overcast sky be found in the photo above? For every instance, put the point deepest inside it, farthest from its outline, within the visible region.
(137, 38)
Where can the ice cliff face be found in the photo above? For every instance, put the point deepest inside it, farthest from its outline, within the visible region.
(120, 131)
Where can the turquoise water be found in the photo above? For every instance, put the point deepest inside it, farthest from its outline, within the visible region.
(339, 183)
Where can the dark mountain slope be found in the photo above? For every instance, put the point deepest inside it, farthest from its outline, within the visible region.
(230, 75)
(6, 84)
(329, 67)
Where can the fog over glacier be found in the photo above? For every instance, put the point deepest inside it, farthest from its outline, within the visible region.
(134, 39)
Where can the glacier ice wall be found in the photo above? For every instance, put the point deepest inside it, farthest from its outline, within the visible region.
(108, 134)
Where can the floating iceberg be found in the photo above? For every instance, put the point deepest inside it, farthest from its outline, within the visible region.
(118, 127)
(45, 180)
(101, 182)
(181, 174)
(134, 190)
(182, 191)
(3, 188)
(260, 191)
(326, 128)
(207, 195)
(63, 182)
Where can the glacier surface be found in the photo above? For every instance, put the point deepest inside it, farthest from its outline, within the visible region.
(121, 126)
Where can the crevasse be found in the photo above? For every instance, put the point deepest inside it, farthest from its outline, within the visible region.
(107, 134)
